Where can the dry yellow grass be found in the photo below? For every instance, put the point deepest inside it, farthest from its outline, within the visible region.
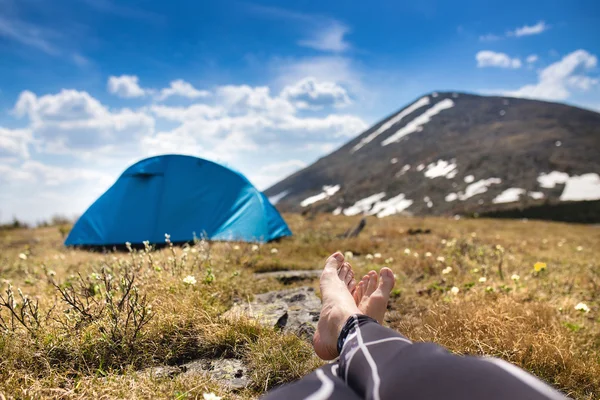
(532, 321)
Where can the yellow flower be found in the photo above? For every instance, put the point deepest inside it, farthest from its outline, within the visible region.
(539, 266)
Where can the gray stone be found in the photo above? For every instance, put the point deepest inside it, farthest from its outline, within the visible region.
(163, 371)
(288, 277)
(228, 371)
(293, 310)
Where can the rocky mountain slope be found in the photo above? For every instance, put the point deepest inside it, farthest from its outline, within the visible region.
(452, 153)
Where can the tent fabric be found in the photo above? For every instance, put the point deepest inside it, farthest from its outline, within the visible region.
(185, 197)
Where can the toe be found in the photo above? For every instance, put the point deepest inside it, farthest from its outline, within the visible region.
(352, 286)
(387, 281)
(372, 285)
(349, 274)
(334, 261)
(358, 293)
(343, 272)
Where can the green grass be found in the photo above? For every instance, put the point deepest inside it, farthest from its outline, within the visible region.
(130, 311)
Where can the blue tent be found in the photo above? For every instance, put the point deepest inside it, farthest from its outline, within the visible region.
(182, 196)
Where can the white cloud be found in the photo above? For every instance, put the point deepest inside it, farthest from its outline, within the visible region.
(239, 125)
(310, 93)
(556, 81)
(487, 58)
(244, 98)
(329, 37)
(181, 88)
(527, 30)
(490, 37)
(190, 113)
(272, 173)
(532, 58)
(125, 86)
(73, 120)
(14, 143)
(37, 173)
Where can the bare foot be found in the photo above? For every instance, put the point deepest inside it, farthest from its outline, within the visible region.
(338, 306)
(372, 293)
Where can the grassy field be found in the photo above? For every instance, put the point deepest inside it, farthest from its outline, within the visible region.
(76, 324)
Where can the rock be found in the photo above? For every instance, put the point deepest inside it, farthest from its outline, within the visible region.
(163, 371)
(288, 277)
(228, 371)
(293, 310)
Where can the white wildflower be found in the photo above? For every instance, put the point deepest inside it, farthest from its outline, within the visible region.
(236, 247)
(389, 260)
(447, 270)
(443, 241)
(454, 290)
(579, 248)
(428, 254)
(51, 273)
(23, 256)
(210, 396)
(407, 252)
(274, 251)
(255, 247)
(582, 307)
(348, 255)
(416, 255)
(369, 256)
(377, 255)
(441, 259)
(483, 279)
(189, 280)
(515, 277)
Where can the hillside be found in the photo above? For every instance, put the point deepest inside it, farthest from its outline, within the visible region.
(449, 153)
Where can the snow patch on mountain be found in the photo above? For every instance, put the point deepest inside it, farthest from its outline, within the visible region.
(550, 180)
(275, 199)
(417, 124)
(364, 205)
(422, 102)
(440, 168)
(509, 196)
(391, 206)
(473, 189)
(584, 187)
(327, 192)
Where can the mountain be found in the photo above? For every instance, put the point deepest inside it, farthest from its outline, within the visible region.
(449, 153)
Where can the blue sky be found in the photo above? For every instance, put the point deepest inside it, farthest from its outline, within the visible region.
(88, 87)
